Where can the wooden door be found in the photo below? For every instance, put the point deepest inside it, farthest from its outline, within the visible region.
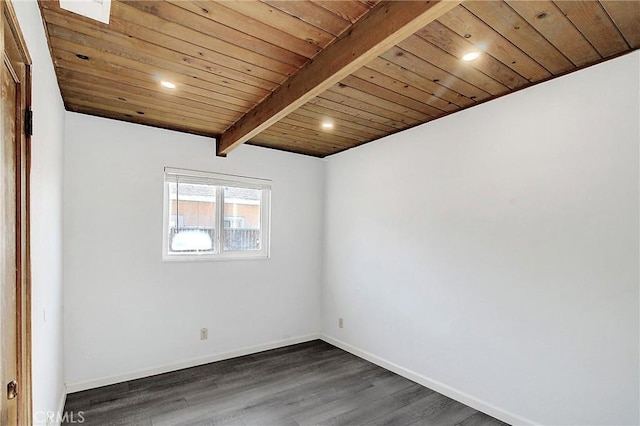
(15, 371)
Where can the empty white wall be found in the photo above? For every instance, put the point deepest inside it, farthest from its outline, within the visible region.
(46, 218)
(127, 313)
(494, 253)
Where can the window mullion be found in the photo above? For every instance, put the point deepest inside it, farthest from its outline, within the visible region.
(220, 218)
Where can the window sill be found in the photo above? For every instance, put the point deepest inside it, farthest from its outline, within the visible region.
(209, 258)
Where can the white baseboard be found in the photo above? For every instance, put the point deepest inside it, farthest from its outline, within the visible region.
(63, 400)
(437, 386)
(104, 381)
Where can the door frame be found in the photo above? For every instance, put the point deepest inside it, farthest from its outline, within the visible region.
(23, 234)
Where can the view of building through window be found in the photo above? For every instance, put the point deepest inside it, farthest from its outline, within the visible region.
(242, 218)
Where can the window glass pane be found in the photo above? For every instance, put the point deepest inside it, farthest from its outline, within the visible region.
(192, 212)
(242, 219)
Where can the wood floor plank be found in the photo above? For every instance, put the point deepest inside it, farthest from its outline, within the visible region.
(480, 419)
(363, 414)
(413, 393)
(451, 414)
(325, 413)
(308, 397)
(415, 411)
(307, 384)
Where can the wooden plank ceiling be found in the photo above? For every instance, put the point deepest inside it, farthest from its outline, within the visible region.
(233, 60)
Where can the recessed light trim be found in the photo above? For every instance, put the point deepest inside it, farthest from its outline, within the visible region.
(168, 85)
(470, 56)
(327, 125)
(81, 56)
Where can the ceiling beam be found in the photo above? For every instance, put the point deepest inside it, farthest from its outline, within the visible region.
(387, 24)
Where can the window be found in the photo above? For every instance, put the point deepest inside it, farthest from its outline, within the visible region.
(214, 216)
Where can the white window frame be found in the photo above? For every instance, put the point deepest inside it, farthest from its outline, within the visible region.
(220, 181)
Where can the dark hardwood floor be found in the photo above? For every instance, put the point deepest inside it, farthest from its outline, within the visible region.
(306, 384)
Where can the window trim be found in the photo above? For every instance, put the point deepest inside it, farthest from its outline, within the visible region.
(220, 180)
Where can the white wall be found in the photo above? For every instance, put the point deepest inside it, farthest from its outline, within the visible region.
(46, 217)
(127, 313)
(494, 253)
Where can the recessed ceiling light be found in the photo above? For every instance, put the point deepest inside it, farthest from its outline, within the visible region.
(83, 57)
(470, 56)
(168, 85)
(327, 125)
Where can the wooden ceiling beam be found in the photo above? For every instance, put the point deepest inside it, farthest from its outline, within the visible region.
(387, 24)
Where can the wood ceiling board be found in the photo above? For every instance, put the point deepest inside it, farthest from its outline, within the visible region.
(594, 23)
(381, 115)
(149, 63)
(141, 107)
(285, 127)
(78, 81)
(142, 104)
(625, 14)
(302, 145)
(165, 59)
(171, 12)
(121, 100)
(207, 59)
(282, 21)
(228, 54)
(104, 104)
(390, 76)
(217, 12)
(441, 97)
(313, 14)
(550, 22)
(341, 126)
(367, 86)
(452, 65)
(145, 121)
(446, 39)
(114, 76)
(348, 10)
(350, 130)
(328, 135)
(355, 112)
(486, 39)
(127, 65)
(320, 146)
(378, 102)
(293, 136)
(313, 123)
(340, 120)
(281, 140)
(381, 28)
(318, 106)
(446, 81)
(503, 19)
(233, 53)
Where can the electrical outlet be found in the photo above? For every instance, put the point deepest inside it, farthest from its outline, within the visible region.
(204, 334)
(340, 323)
